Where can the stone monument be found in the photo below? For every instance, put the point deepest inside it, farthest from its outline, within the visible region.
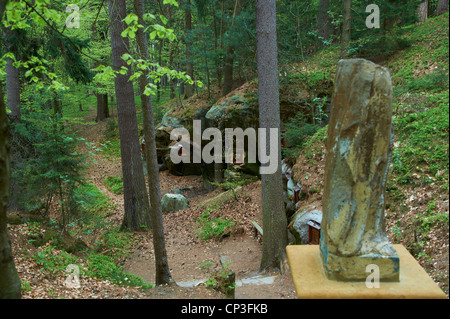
(353, 241)
(358, 153)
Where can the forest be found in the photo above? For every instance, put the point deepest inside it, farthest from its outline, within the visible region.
(94, 93)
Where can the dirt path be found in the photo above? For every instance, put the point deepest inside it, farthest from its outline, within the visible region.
(186, 252)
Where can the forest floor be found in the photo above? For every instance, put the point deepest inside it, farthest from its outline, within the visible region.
(186, 252)
(190, 259)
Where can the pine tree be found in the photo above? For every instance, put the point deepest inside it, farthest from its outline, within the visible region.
(346, 28)
(274, 217)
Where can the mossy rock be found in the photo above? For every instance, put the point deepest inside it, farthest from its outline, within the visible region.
(14, 219)
(70, 244)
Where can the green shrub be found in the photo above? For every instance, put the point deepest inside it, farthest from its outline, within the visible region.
(111, 147)
(381, 45)
(114, 184)
(46, 165)
(101, 267)
(424, 140)
(213, 228)
(112, 129)
(296, 134)
(54, 261)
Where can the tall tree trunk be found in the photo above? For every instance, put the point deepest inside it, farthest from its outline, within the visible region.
(346, 28)
(228, 71)
(12, 81)
(274, 216)
(9, 279)
(189, 88)
(105, 105)
(229, 58)
(216, 47)
(162, 266)
(422, 11)
(100, 107)
(323, 22)
(102, 103)
(160, 83)
(442, 7)
(136, 204)
(171, 49)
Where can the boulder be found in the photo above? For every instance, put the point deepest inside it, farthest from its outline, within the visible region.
(299, 225)
(173, 202)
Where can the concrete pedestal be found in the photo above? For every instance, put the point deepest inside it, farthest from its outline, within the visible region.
(311, 283)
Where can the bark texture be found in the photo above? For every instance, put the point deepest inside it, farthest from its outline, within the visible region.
(346, 28)
(323, 22)
(442, 7)
(136, 204)
(9, 279)
(189, 88)
(163, 275)
(12, 80)
(274, 217)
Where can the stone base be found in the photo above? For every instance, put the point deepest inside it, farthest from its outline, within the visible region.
(354, 268)
(311, 282)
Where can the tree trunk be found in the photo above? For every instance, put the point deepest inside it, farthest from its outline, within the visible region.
(442, 7)
(162, 266)
(189, 88)
(346, 28)
(9, 279)
(274, 217)
(12, 81)
(105, 106)
(323, 23)
(100, 107)
(136, 204)
(171, 49)
(102, 102)
(229, 58)
(160, 83)
(422, 11)
(228, 71)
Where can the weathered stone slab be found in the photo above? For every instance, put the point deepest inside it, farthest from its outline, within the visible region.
(359, 138)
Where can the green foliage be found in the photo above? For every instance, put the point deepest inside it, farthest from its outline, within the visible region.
(434, 81)
(49, 167)
(54, 261)
(74, 65)
(114, 184)
(116, 243)
(378, 46)
(424, 137)
(101, 267)
(111, 147)
(236, 179)
(95, 207)
(213, 228)
(296, 133)
(221, 280)
(112, 129)
(429, 218)
(102, 262)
